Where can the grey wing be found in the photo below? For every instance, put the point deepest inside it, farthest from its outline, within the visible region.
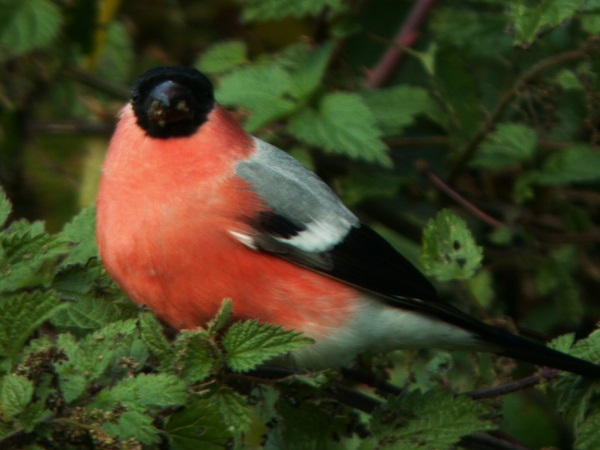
(307, 224)
(305, 215)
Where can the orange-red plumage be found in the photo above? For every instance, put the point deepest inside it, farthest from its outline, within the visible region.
(169, 243)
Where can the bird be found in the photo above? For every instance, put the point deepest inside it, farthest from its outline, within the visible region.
(192, 210)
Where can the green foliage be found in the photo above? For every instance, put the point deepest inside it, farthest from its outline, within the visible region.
(449, 249)
(27, 25)
(494, 102)
(529, 21)
(402, 421)
(222, 57)
(510, 144)
(343, 124)
(261, 10)
(250, 343)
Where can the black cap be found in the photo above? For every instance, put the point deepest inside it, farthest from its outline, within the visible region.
(172, 101)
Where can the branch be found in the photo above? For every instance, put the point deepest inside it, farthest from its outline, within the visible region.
(535, 71)
(513, 386)
(405, 37)
(99, 84)
(454, 195)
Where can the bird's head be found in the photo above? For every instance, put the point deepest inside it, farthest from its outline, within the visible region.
(172, 101)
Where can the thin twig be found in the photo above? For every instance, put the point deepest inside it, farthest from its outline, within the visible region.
(406, 36)
(514, 386)
(69, 128)
(488, 124)
(88, 79)
(443, 187)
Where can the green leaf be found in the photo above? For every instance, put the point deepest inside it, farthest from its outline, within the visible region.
(161, 390)
(277, 88)
(154, 338)
(308, 76)
(473, 30)
(358, 185)
(449, 249)
(15, 394)
(434, 420)
(396, 108)
(86, 312)
(343, 124)
(199, 425)
(221, 319)
(233, 408)
(195, 355)
(20, 316)
(578, 164)
(262, 10)
(260, 89)
(250, 343)
(554, 277)
(29, 256)
(222, 57)
(509, 144)
(530, 21)
(81, 233)
(5, 207)
(26, 25)
(99, 352)
(134, 424)
(588, 437)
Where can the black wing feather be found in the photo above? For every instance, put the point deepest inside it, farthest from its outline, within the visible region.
(366, 260)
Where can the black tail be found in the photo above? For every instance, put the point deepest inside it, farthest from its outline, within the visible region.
(538, 354)
(503, 342)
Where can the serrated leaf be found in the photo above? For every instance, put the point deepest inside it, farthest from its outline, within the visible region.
(509, 144)
(250, 343)
(153, 336)
(86, 312)
(397, 107)
(433, 420)
(587, 437)
(308, 75)
(343, 124)
(261, 10)
(146, 390)
(199, 425)
(26, 25)
(221, 319)
(99, 352)
(21, 315)
(29, 256)
(259, 89)
(195, 355)
(588, 348)
(81, 233)
(222, 57)
(233, 408)
(577, 164)
(530, 21)
(15, 394)
(134, 424)
(5, 207)
(449, 250)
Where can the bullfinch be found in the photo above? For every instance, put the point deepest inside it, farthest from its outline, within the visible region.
(192, 210)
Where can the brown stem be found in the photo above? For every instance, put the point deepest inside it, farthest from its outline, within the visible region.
(488, 124)
(443, 187)
(513, 386)
(405, 37)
